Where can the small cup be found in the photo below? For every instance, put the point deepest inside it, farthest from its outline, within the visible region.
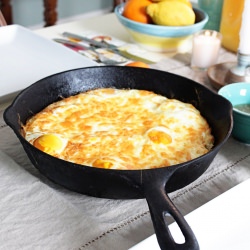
(206, 47)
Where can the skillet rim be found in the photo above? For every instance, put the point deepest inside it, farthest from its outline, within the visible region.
(79, 166)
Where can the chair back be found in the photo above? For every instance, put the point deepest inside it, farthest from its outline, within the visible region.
(2, 20)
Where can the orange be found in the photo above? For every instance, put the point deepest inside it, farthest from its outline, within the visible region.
(136, 10)
(137, 64)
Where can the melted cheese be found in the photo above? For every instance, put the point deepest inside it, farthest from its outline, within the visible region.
(120, 129)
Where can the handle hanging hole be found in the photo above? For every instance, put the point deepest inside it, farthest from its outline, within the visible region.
(174, 229)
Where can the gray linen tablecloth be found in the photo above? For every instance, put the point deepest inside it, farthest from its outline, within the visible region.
(38, 214)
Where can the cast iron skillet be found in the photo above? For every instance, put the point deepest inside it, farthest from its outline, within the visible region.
(153, 184)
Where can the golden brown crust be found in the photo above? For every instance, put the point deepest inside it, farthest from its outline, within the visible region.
(121, 129)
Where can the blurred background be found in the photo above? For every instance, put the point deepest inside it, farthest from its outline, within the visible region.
(29, 13)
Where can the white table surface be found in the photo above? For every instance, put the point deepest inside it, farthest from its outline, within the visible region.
(217, 224)
(37, 214)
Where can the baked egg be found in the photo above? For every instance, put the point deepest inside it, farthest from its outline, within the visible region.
(120, 129)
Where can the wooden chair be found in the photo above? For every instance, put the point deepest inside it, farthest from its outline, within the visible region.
(50, 11)
(5, 7)
(2, 20)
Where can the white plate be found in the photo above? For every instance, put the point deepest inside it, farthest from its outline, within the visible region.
(222, 223)
(26, 57)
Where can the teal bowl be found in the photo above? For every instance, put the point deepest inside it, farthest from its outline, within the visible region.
(159, 38)
(239, 95)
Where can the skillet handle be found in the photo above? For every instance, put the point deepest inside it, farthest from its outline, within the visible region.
(160, 205)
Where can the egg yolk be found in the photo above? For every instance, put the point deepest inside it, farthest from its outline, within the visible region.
(159, 137)
(49, 143)
(102, 164)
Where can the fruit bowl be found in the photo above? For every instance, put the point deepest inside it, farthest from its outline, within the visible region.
(160, 38)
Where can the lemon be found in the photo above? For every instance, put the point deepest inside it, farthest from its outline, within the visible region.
(171, 13)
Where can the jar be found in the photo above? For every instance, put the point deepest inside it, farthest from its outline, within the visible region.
(213, 8)
(231, 23)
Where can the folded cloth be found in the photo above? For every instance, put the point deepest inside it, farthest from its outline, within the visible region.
(32, 215)
(35, 216)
